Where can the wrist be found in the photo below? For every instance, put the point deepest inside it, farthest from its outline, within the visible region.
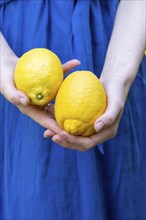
(122, 80)
(116, 69)
(9, 57)
(7, 53)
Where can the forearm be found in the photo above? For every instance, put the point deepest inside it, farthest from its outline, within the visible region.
(6, 52)
(127, 44)
(8, 61)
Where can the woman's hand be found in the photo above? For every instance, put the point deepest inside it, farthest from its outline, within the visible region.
(124, 55)
(45, 117)
(106, 125)
(7, 87)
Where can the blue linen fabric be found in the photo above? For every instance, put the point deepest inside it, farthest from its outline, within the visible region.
(39, 180)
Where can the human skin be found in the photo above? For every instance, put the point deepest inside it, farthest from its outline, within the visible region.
(18, 98)
(124, 55)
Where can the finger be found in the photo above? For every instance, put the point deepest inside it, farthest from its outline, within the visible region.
(106, 133)
(71, 144)
(61, 140)
(114, 109)
(10, 92)
(70, 65)
(115, 103)
(78, 141)
(49, 133)
(50, 108)
(41, 117)
(8, 89)
(15, 96)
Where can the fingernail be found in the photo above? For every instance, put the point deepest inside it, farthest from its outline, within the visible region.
(22, 101)
(55, 140)
(99, 126)
(78, 61)
(46, 136)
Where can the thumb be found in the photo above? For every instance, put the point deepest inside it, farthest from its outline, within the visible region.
(15, 96)
(69, 65)
(7, 85)
(110, 116)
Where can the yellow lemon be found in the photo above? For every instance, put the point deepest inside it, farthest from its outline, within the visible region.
(80, 100)
(39, 75)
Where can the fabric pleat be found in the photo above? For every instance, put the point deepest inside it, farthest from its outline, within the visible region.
(39, 180)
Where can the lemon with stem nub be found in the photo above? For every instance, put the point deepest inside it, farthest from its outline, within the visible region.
(39, 75)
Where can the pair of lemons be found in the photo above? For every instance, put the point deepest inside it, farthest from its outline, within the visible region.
(79, 99)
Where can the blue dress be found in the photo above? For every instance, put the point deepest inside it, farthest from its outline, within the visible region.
(40, 180)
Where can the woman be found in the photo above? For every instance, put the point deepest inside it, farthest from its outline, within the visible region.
(40, 179)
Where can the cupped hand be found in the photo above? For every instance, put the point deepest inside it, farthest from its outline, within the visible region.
(106, 125)
(43, 116)
(7, 86)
